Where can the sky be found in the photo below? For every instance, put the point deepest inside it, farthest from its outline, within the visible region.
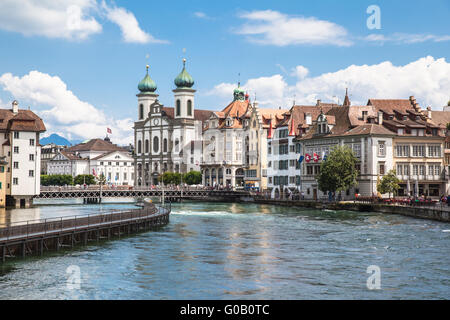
(77, 63)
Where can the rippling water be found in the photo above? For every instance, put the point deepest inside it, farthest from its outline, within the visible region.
(243, 251)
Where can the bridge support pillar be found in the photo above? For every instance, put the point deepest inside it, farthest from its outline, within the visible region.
(24, 249)
(3, 253)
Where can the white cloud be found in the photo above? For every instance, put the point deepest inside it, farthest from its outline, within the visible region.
(131, 32)
(405, 38)
(202, 15)
(300, 72)
(274, 28)
(61, 110)
(428, 79)
(69, 19)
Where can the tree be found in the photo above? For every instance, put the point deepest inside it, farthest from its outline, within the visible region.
(192, 177)
(56, 180)
(166, 177)
(338, 172)
(85, 178)
(389, 184)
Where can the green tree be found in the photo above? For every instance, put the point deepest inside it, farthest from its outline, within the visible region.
(84, 178)
(166, 177)
(176, 178)
(338, 172)
(389, 183)
(192, 177)
(56, 180)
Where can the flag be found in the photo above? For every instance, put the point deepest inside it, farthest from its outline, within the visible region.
(316, 157)
(93, 172)
(300, 160)
(307, 157)
(108, 130)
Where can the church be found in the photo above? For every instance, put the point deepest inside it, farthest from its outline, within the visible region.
(167, 138)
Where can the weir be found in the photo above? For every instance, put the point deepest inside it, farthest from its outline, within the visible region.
(21, 239)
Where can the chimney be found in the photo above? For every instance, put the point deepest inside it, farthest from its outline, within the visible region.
(15, 107)
(318, 102)
(429, 112)
(380, 117)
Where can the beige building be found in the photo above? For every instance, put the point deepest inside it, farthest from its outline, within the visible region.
(261, 126)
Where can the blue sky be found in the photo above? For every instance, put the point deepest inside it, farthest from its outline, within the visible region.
(101, 64)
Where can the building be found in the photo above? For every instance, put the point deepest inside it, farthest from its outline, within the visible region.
(385, 134)
(3, 182)
(167, 139)
(95, 157)
(260, 130)
(226, 143)
(48, 152)
(284, 150)
(20, 131)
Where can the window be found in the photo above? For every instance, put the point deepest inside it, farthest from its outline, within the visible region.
(16, 135)
(2, 169)
(381, 149)
(31, 173)
(381, 168)
(189, 108)
(31, 142)
(415, 169)
(31, 157)
(402, 150)
(422, 170)
(437, 170)
(147, 149)
(178, 108)
(165, 145)
(434, 151)
(399, 169)
(139, 146)
(101, 163)
(141, 111)
(15, 181)
(418, 151)
(109, 163)
(124, 176)
(16, 149)
(155, 144)
(16, 165)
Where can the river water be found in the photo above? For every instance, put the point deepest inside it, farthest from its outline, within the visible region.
(240, 251)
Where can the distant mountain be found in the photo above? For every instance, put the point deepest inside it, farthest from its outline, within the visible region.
(56, 139)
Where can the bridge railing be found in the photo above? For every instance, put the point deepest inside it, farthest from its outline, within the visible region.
(49, 225)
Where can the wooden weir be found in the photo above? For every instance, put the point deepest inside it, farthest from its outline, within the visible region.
(20, 239)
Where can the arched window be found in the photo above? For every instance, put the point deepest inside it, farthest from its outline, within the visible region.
(141, 111)
(155, 144)
(165, 145)
(189, 108)
(139, 146)
(177, 145)
(146, 146)
(178, 107)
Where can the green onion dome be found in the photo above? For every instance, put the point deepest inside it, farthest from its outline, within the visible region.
(239, 93)
(147, 85)
(184, 79)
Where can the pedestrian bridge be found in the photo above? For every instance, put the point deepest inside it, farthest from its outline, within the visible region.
(170, 194)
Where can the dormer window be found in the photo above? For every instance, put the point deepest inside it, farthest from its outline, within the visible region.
(391, 117)
(405, 118)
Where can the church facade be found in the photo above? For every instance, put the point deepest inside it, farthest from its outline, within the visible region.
(167, 138)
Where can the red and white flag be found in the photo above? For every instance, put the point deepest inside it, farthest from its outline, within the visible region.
(108, 130)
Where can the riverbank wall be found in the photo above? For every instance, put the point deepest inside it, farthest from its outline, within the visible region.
(437, 213)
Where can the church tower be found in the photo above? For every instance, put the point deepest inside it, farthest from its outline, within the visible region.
(146, 96)
(184, 95)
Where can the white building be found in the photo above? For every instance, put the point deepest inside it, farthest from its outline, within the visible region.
(20, 144)
(226, 143)
(167, 139)
(95, 156)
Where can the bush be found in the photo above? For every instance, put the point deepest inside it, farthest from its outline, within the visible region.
(85, 178)
(56, 180)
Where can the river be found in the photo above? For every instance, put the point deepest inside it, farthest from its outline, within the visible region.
(240, 251)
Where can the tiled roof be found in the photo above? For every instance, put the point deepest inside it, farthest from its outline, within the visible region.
(24, 120)
(441, 118)
(95, 145)
(388, 105)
